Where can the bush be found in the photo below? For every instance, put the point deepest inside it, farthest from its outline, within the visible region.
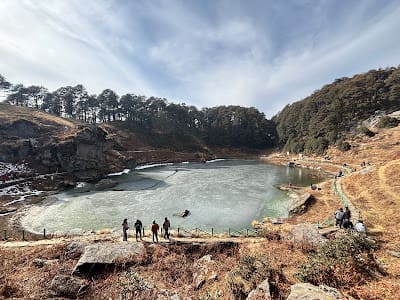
(387, 122)
(342, 145)
(341, 262)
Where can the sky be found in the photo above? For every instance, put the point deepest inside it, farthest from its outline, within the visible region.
(206, 53)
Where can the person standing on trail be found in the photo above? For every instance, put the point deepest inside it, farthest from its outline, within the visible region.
(138, 227)
(347, 213)
(154, 230)
(125, 227)
(339, 217)
(166, 227)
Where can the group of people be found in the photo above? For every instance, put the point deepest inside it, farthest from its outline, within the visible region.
(343, 220)
(139, 229)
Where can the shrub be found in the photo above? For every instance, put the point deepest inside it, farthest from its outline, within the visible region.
(387, 122)
(342, 145)
(131, 284)
(341, 262)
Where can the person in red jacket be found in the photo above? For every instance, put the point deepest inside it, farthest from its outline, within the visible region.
(154, 230)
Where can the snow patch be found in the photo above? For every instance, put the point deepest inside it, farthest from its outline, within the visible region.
(153, 166)
(124, 171)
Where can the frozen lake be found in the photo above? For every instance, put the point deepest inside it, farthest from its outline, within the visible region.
(221, 194)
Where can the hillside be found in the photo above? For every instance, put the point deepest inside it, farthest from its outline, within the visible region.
(333, 113)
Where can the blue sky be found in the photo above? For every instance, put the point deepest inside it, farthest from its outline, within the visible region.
(264, 54)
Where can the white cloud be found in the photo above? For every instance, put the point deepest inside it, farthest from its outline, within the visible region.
(263, 57)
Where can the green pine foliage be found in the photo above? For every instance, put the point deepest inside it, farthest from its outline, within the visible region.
(329, 114)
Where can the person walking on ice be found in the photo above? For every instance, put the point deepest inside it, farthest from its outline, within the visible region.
(138, 227)
(166, 227)
(125, 228)
(154, 230)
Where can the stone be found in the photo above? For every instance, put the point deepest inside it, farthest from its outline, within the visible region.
(307, 291)
(40, 263)
(68, 286)
(75, 249)
(176, 297)
(202, 269)
(304, 233)
(96, 257)
(261, 292)
(199, 281)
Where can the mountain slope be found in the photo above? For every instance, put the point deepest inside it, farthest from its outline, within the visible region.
(328, 115)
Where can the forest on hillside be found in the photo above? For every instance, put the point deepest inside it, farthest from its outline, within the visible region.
(233, 126)
(330, 114)
(326, 117)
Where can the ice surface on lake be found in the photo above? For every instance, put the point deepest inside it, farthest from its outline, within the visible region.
(220, 195)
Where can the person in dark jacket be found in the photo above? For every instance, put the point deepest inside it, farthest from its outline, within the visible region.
(347, 213)
(166, 226)
(138, 227)
(125, 227)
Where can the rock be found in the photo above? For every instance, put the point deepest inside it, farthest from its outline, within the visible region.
(176, 297)
(213, 277)
(68, 286)
(75, 249)
(105, 184)
(202, 269)
(99, 256)
(299, 203)
(40, 263)
(261, 292)
(199, 281)
(304, 233)
(307, 291)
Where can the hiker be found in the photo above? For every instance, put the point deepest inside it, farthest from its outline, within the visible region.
(125, 227)
(347, 224)
(360, 227)
(154, 230)
(138, 227)
(339, 217)
(166, 227)
(347, 213)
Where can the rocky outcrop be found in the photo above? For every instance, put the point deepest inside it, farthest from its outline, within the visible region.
(307, 291)
(303, 233)
(299, 203)
(261, 292)
(100, 256)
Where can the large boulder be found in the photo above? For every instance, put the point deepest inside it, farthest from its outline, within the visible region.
(303, 233)
(307, 291)
(100, 256)
(262, 292)
(68, 286)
